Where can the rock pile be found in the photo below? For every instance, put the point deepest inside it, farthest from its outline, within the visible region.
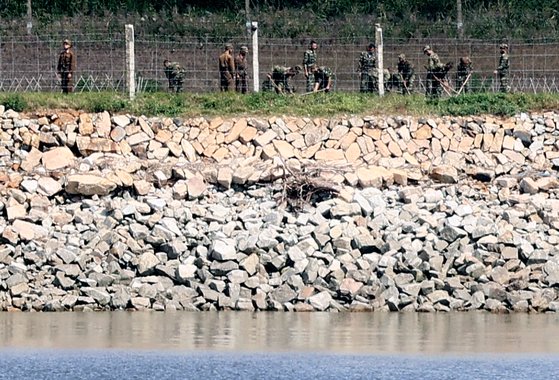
(122, 212)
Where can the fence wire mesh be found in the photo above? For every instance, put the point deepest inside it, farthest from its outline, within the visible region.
(28, 63)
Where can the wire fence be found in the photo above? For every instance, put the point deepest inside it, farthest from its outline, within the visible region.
(28, 63)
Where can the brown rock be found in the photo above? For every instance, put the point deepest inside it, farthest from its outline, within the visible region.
(118, 134)
(144, 126)
(124, 177)
(57, 158)
(284, 148)
(163, 135)
(88, 184)
(102, 123)
(86, 124)
(29, 231)
(138, 138)
(196, 187)
(235, 132)
(547, 183)
(353, 153)
(175, 148)
(16, 212)
(497, 144)
(330, 155)
(528, 185)
(445, 174)
(265, 138)
(32, 160)
(220, 154)
(394, 149)
(248, 134)
(423, 133)
(48, 186)
(142, 187)
(373, 176)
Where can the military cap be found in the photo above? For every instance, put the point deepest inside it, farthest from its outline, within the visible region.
(66, 41)
(503, 46)
(228, 46)
(244, 49)
(372, 46)
(402, 57)
(427, 47)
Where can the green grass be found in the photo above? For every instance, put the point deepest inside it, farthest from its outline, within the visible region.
(267, 104)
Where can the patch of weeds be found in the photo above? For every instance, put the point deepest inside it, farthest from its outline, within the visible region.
(15, 102)
(110, 103)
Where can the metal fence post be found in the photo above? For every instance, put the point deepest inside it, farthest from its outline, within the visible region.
(380, 62)
(255, 63)
(130, 62)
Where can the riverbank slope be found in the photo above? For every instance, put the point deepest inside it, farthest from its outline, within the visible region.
(106, 211)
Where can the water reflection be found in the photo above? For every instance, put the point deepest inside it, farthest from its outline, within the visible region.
(360, 333)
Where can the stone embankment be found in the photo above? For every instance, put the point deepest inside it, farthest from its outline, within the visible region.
(105, 211)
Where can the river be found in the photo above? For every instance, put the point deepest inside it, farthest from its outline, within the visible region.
(236, 345)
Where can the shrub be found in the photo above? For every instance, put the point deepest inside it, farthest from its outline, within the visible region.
(15, 102)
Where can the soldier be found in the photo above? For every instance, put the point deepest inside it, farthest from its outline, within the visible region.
(279, 79)
(226, 69)
(406, 75)
(322, 78)
(310, 59)
(241, 75)
(434, 68)
(175, 75)
(503, 69)
(368, 70)
(463, 74)
(66, 67)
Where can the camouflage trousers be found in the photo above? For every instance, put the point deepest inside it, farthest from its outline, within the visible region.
(405, 84)
(176, 83)
(310, 83)
(504, 85)
(433, 88)
(241, 83)
(368, 83)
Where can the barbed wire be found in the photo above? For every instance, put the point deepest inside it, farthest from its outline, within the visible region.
(28, 63)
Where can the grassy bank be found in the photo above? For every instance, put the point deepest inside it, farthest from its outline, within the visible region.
(266, 104)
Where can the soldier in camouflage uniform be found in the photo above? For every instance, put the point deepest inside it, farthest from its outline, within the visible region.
(310, 59)
(368, 75)
(279, 79)
(241, 67)
(463, 72)
(175, 75)
(503, 69)
(226, 69)
(322, 78)
(406, 75)
(66, 67)
(434, 68)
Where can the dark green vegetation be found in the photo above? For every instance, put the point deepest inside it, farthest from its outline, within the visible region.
(519, 19)
(266, 104)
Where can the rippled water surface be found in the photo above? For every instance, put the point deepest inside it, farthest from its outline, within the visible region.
(233, 345)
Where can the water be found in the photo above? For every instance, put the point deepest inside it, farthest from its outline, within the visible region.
(232, 345)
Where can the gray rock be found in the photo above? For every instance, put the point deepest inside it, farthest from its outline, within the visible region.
(99, 295)
(147, 263)
(223, 250)
(320, 301)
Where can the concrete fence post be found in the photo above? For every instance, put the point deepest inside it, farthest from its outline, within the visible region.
(380, 62)
(130, 61)
(255, 63)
